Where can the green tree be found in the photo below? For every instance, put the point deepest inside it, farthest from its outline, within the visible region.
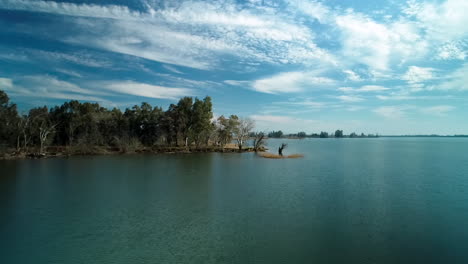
(338, 133)
(201, 121)
(323, 134)
(301, 135)
(275, 134)
(183, 118)
(9, 120)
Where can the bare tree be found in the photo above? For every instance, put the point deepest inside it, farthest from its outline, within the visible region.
(25, 124)
(242, 131)
(259, 141)
(44, 131)
(280, 149)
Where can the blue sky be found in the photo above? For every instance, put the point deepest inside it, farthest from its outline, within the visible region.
(391, 67)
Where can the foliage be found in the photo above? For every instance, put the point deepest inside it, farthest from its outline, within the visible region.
(301, 135)
(338, 133)
(275, 134)
(84, 126)
(323, 134)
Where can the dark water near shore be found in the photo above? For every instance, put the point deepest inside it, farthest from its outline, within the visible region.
(386, 200)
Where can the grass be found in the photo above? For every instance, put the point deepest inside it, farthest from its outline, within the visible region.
(268, 155)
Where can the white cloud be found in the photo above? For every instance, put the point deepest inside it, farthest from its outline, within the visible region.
(290, 82)
(69, 72)
(70, 9)
(284, 123)
(45, 86)
(379, 45)
(349, 98)
(392, 112)
(190, 33)
(237, 82)
(147, 90)
(457, 80)
(401, 111)
(398, 97)
(439, 110)
(352, 76)
(451, 51)
(307, 103)
(416, 74)
(314, 9)
(443, 21)
(363, 89)
(5, 83)
(172, 69)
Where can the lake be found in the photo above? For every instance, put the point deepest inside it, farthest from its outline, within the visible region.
(383, 200)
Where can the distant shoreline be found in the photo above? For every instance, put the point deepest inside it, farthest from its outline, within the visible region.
(380, 136)
(61, 152)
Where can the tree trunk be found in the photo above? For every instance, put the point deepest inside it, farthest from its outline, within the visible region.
(280, 149)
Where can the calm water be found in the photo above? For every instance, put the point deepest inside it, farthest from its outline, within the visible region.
(386, 200)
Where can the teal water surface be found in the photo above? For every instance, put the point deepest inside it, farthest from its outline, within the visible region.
(385, 200)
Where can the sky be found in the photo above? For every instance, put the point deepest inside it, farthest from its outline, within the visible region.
(381, 66)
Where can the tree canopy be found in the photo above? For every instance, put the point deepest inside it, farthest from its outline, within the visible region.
(187, 123)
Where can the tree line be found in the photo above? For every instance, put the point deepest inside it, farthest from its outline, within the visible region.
(338, 134)
(189, 124)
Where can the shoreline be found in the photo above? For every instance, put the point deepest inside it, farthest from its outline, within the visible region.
(65, 152)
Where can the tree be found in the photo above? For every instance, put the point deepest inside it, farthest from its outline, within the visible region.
(259, 141)
(226, 128)
(323, 134)
(184, 118)
(280, 149)
(353, 135)
(301, 135)
(338, 133)
(201, 121)
(9, 120)
(84, 125)
(242, 131)
(40, 126)
(275, 134)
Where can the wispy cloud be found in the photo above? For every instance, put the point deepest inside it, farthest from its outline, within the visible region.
(379, 45)
(71, 9)
(146, 90)
(451, 51)
(439, 110)
(237, 82)
(352, 76)
(393, 112)
(6, 84)
(443, 20)
(363, 89)
(291, 82)
(45, 86)
(172, 69)
(349, 98)
(457, 80)
(190, 33)
(416, 74)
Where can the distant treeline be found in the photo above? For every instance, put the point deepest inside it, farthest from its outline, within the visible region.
(189, 123)
(337, 134)
(427, 136)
